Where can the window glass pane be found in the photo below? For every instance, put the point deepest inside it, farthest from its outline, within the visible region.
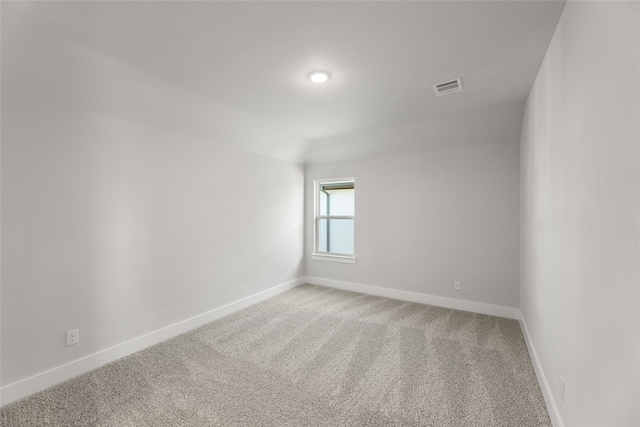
(340, 202)
(322, 236)
(336, 236)
(323, 202)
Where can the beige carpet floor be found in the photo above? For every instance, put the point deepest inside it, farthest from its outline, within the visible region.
(311, 356)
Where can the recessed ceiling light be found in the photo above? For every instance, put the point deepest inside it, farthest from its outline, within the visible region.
(319, 76)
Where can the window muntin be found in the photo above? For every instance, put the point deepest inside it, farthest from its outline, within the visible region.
(335, 217)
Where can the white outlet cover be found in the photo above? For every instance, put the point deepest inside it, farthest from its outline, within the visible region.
(73, 337)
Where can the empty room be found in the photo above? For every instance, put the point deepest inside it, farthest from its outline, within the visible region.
(320, 213)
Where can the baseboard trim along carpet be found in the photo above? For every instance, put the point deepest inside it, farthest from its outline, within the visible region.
(552, 408)
(474, 307)
(46, 379)
(312, 356)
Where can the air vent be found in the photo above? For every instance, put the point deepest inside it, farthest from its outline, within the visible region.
(448, 87)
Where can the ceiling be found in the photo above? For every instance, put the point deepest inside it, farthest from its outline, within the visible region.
(384, 57)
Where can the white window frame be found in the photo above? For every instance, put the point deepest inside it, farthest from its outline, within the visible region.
(327, 256)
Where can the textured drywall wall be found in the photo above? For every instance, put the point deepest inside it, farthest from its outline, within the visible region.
(580, 214)
(428, 219)
(116, 227)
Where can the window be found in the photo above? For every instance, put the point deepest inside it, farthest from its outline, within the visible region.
(334, 220)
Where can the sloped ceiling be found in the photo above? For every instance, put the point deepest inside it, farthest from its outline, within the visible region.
(240, 62)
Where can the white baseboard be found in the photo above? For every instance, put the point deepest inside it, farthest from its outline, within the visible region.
(474, 307)
(552, 408)
(44, 380)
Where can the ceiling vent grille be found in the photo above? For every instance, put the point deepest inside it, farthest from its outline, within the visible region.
(446, 88)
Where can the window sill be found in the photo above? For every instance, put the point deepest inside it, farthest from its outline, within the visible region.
(334, 258)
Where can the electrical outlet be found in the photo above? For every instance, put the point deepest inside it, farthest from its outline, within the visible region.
(73, 337)
(456, 286)
(295, 267)
(562, 388)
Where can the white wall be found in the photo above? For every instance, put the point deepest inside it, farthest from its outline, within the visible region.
(428, 219)
(580, 283)
(116, 227)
